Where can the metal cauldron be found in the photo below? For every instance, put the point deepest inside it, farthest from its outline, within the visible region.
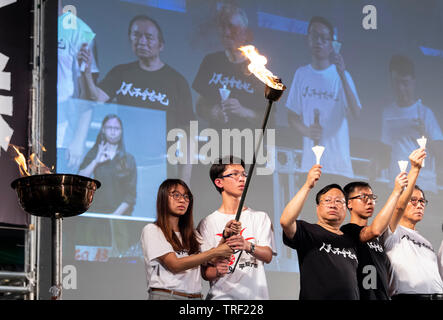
(47, 194)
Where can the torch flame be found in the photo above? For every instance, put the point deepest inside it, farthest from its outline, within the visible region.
(33, 164)
(21, 161)
(257, 67)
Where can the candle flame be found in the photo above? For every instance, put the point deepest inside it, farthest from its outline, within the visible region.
(257, 67)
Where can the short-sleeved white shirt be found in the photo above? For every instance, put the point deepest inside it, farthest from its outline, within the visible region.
(155, 245)
(414, 268)
(402, 126)
(440, 259)
(248, 281)
(323, 90)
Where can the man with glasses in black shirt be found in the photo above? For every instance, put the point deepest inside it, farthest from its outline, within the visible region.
(327, 256)
(373, 264)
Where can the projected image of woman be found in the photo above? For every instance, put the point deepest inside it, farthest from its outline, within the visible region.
(171, 246)
(108, 162)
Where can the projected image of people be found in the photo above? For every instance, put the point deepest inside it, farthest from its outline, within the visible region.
(322, 97)
(229, 94)
(74, 115)
(407, 120)
(148, 82)
(108, 162)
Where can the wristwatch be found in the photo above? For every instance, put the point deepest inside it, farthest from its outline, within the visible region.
(252, 249)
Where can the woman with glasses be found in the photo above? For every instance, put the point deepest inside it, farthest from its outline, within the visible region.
(414, 271)
(109, 162)
(171, 247)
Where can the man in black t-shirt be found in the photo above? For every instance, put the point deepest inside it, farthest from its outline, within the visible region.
(327, 257)
(147, 82)
(373, 263)
(229, 95)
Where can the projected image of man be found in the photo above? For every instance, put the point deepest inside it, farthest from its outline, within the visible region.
(148, 82)
(323, 89)
(228, 94)
(408, 119)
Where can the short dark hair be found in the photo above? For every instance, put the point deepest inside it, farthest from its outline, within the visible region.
(419, 189)
(326, 189)
(324, 22)
(350, 187)
(142, 17)
(402, 65)
(219, 166)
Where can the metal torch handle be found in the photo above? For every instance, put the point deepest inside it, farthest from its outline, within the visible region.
(254, 160)
(250, 172)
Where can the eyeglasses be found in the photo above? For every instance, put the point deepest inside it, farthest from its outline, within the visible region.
(330, 201)
(135, 35)
(177, 196)
(422, 201)
(236, 175)
(111, 128)
(365, 197)
(316, 36)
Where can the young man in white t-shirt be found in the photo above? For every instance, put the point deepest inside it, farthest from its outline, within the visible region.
(414, 270)
(408, 119)
(324, 90)
(254, 243)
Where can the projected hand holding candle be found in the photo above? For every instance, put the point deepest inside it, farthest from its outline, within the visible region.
(87, 38)
(422, 143)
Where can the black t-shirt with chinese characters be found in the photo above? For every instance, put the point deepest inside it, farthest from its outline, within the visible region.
(328, 263)
(217, 72)
(370, 255)
(164, 89)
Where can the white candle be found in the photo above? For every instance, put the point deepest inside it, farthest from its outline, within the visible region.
(422, 143)
(402, 165)
(318, 151)
(224, 93)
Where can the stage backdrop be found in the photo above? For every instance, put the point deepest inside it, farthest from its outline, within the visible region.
(15, 83)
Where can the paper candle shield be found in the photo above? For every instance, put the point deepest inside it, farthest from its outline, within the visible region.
(402, 164)
(318, 151)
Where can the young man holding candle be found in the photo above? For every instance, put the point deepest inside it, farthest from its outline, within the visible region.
(252, 239)
(373, 263)
(324, 88)
(407, 120)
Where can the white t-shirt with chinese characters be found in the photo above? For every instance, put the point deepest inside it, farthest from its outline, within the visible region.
(401, 128)
(323, 90)
(414, 268)
(440, 260)
(248, 281)
(155, 245)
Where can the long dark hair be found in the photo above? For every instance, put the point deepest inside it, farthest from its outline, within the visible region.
(121, 150)
(186, 222)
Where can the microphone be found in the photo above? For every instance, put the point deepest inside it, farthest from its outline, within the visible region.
(316, 122)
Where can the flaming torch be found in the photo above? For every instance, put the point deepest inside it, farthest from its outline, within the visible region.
(273, 91)
(54, 196)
